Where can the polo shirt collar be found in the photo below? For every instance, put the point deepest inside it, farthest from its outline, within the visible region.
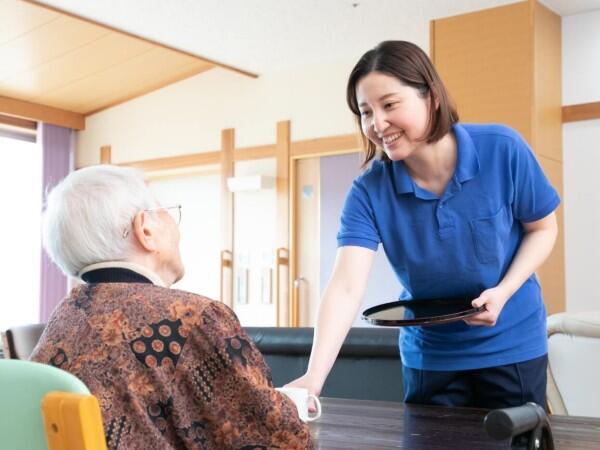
(467, 166)
(468, 159)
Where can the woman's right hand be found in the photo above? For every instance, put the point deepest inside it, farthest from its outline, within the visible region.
(339, 306)
(305, 381)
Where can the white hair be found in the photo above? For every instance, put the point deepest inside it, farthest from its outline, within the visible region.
(89, 214)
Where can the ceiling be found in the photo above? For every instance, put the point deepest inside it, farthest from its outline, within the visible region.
(266, 35)
(57, 60)
(83, 56)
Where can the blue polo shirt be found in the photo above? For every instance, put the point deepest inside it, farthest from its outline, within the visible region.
(459, 244)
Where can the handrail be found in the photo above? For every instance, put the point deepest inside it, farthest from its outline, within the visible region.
(281, 259)
(226, 263)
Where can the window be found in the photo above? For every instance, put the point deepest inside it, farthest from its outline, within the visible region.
(20, 236)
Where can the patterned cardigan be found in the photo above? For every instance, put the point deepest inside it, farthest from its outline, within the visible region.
(171, 370)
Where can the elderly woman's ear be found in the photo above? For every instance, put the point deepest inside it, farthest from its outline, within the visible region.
(145, 231)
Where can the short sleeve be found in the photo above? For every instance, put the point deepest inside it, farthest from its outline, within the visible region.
(357, 222)
(534, 196)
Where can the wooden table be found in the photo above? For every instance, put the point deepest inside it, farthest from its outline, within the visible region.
(364, 424)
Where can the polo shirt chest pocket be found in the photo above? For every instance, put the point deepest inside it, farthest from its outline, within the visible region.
(490, 235)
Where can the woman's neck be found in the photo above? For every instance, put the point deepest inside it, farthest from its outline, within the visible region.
(434, 164)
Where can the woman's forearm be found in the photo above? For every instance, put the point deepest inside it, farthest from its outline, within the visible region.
(339, 306)
(533, 251)
(336, 314)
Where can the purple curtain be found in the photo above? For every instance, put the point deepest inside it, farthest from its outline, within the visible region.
(57, 161)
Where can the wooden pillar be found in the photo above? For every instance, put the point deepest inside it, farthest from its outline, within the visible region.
(282, 257)
(227, 214)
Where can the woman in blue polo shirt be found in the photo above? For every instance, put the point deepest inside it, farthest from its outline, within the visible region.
(461, 210)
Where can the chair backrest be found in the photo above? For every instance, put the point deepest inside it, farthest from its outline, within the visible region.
(73, 422)
(23, 385)
(368, 366)
(20, 341)
(574, 364)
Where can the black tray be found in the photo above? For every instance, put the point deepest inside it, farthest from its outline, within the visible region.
(420, 312)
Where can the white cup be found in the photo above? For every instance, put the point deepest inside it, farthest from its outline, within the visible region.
(300, 397)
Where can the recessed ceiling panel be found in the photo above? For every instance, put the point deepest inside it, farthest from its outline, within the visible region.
(58, 60)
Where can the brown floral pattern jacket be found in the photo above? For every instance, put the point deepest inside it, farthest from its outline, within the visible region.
(171, 370)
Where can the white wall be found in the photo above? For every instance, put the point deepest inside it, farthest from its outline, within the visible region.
(188, 116)
(581, 153)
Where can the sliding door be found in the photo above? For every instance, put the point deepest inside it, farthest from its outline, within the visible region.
(320, 186)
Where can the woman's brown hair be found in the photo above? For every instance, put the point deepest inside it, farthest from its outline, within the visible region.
(409, 64)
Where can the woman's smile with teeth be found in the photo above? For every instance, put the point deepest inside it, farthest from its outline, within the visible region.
(391, 138)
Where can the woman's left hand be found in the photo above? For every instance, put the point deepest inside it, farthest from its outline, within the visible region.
(494, 300)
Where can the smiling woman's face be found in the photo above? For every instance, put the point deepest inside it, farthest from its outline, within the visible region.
(394, 116)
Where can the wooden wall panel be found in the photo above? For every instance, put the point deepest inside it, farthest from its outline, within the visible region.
(485, 61)
(503, 65)
(547, 119)
(547, 138)
(552, 272)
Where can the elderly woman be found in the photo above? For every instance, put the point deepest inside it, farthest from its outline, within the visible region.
(170, 369)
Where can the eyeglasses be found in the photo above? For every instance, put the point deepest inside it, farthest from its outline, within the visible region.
(174, 212)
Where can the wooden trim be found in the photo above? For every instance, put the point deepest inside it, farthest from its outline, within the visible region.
(328, 146)
(150, 41)
(42, 113)
(105, 154)
(346, 143)
(582, 111)
(258, 152)
(174, 174)
(174, 162)
(18, 122)
(227, 205)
